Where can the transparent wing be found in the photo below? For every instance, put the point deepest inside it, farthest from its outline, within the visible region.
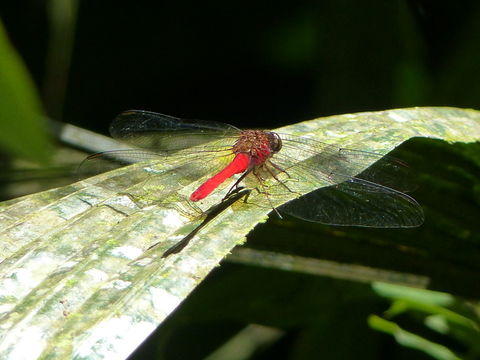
(166, 134)
(350, 191)
(328, 164)
(357, 202)
(166, 139)
(192, 163)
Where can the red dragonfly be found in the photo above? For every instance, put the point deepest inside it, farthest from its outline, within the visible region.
(279, 166)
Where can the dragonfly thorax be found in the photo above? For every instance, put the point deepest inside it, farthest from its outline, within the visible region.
(259, 145)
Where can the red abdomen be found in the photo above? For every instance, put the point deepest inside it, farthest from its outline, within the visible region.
(239, 164)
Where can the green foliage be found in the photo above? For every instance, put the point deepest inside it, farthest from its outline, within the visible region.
(455, 320)
(22, 129)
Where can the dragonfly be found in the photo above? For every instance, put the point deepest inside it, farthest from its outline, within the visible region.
(294, 175)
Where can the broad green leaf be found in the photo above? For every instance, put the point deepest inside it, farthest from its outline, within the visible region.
(76, 276)
(22, 129)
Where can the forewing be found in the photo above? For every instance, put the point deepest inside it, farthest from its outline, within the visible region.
(331, 164)
(166, 134)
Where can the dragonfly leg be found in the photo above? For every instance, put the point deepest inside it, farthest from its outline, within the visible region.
(275, 176)
(279, 168)
(265, 191)
(233, 191)
(236, 187)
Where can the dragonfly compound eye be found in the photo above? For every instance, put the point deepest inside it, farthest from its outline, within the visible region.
(275, 142)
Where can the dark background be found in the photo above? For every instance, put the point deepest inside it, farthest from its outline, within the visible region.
(257, 64)
(250, 63)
